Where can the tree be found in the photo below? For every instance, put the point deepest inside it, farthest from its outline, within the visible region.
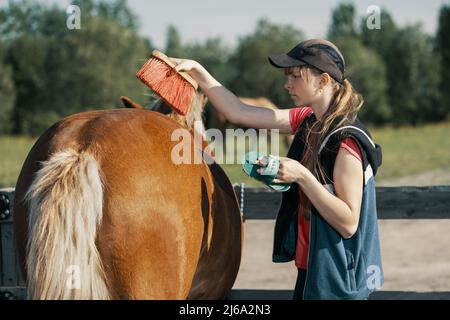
(214, 55)
(18, 18)
(254, 76)
(366, 71)
(116, 11)
(414, 94)
(26, 56)
(443, 52)
(92, 67)
(7, 93)
(365, 68)
(343, 21)
(174, 46)
(381, 40)
(57, 71)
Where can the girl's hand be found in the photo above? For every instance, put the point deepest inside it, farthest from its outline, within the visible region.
(185, 65)
(290, 170)
(196, 71)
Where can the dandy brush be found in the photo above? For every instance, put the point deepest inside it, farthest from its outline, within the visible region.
(177, 89)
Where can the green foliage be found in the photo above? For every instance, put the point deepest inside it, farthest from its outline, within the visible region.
(116, 11)
(412, 71)
(414, 93)
(365, 69)
(366, 72)
(96, 65)
(343, 21)
(381, 40)
(254, 74)
(57, 71)
(443, 53)
(174, 46)
(7, 93)
(394, 68)
(27, 57)
(215, 56)
(20, 17)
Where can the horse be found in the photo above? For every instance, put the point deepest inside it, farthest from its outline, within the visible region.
(102, 212)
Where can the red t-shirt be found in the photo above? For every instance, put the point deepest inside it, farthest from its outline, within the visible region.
(296, 117)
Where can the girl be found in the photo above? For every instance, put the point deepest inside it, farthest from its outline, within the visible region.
(327, 220)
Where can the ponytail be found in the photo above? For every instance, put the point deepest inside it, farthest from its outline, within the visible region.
(346, 104)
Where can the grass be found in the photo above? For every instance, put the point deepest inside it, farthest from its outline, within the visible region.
(406, 151)
(13, 152)
(410, 150)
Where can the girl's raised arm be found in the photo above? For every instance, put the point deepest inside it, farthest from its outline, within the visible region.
(228, 104)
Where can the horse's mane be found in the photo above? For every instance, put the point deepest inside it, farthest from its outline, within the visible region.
(195, 112)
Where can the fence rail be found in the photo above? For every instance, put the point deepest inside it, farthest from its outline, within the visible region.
(431, 202)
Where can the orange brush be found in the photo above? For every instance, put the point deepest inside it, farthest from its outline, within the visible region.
(177, 89)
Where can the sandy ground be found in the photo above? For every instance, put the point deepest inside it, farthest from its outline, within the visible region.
(429, 178)
(416, 257)
(415, 253)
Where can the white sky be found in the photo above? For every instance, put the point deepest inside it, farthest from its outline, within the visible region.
(229, 19)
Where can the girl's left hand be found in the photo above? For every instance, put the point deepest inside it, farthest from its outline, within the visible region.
(290, 170)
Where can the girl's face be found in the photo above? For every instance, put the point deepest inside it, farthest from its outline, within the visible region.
(302, 88)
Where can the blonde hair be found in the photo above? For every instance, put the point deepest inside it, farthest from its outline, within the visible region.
(345, 105)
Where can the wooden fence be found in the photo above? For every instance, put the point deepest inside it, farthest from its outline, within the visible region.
(431, 202)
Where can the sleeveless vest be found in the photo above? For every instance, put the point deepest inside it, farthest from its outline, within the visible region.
(338, 268)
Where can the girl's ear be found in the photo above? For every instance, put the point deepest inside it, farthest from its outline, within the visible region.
(325, 79)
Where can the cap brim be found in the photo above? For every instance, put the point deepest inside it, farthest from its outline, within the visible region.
(285, 61)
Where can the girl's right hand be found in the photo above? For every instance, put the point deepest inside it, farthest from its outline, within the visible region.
(186, 65)
(197, 72)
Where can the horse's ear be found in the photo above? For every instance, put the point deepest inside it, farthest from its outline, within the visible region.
(128, 103)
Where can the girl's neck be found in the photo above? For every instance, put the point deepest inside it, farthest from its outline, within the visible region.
(321, 105)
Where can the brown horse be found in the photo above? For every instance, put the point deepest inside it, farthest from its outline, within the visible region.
(102, 212)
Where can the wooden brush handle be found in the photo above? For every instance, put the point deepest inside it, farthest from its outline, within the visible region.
(158, 54)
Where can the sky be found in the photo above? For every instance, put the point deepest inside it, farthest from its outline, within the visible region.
(230, 19)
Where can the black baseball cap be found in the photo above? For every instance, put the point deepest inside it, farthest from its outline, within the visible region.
(319, 53)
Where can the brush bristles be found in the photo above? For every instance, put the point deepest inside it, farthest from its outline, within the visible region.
(168, 84)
